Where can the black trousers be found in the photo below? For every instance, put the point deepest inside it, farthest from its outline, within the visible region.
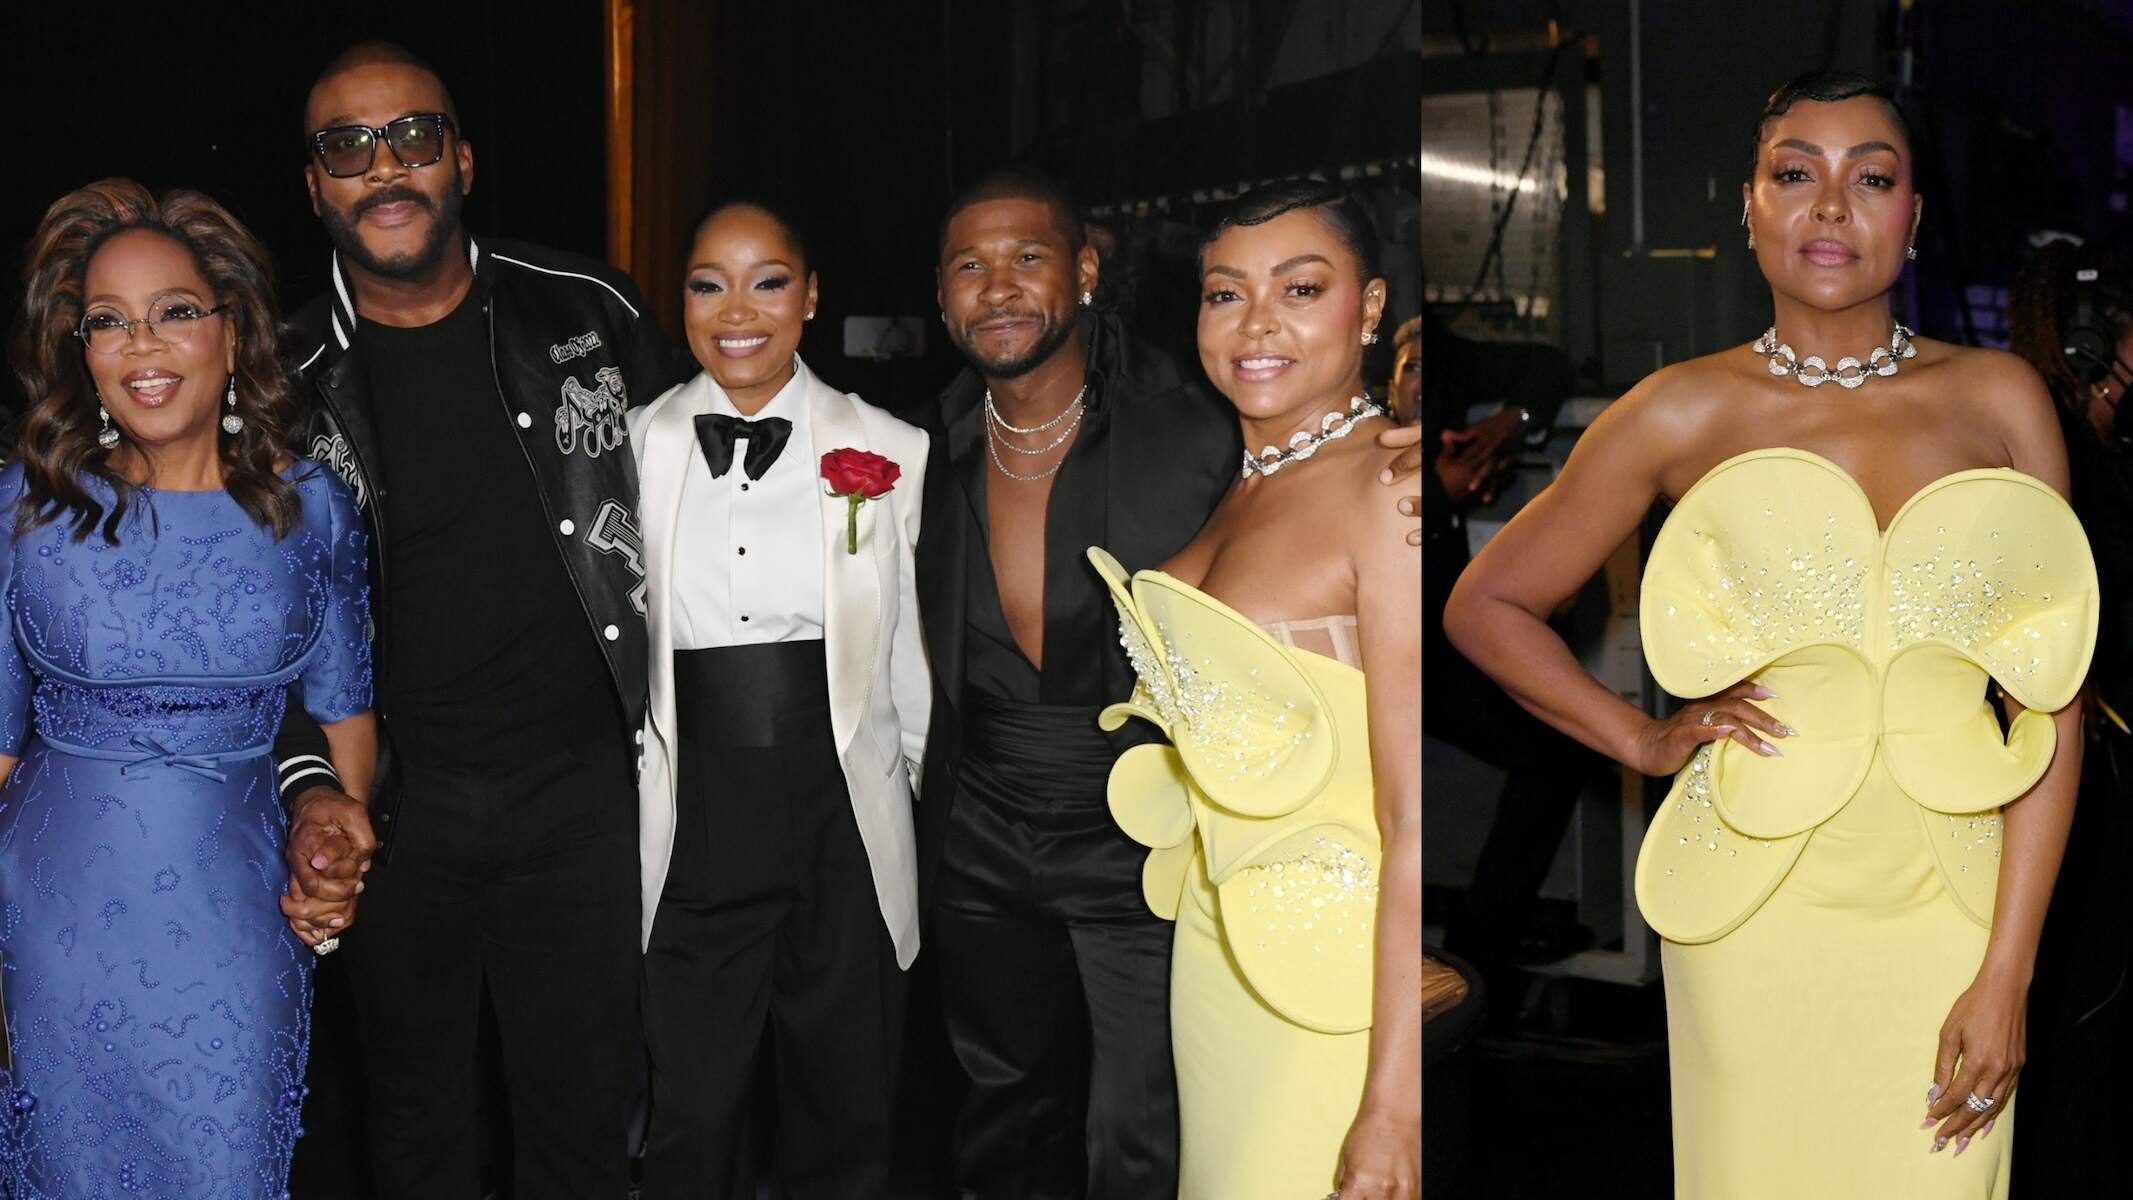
(1055, 987)
(524, 880)
(769, 918)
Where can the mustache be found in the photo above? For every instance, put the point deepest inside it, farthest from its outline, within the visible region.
(1004, 314)
(398, 194)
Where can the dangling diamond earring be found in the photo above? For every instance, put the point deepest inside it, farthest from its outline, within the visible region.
(108, 436)
(232, 424)
(1751, 239)
(1087, 299)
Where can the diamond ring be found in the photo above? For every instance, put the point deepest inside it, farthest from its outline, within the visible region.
(334, 943)
(1710, 716)
(1977, 1103)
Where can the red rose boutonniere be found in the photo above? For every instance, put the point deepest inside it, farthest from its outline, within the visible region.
(858, 476)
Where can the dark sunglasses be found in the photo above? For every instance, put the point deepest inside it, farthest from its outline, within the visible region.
(416, 140)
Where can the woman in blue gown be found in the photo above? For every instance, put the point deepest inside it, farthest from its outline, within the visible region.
(171, 579)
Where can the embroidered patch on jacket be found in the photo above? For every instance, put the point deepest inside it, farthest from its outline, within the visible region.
(615, 532)
(577, 347)
(591, 418)
(335, 453)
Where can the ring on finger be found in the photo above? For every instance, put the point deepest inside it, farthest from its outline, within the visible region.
(1710, 717)
(1978, 1104)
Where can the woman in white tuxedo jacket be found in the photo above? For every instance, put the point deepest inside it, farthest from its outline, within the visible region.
(789, 701)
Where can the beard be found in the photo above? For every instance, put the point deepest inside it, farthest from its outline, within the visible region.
(342, 228)
(1049, 339)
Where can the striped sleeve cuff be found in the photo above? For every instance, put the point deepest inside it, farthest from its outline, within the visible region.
(302, 771)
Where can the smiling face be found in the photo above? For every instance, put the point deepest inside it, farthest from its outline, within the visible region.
(162, 386)
(394, 221)
(1831, 206)
(745, 301)
(1009, 283)
(1282, 314)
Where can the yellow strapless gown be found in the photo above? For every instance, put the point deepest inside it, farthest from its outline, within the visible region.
(1821, 911)
(1264, 849)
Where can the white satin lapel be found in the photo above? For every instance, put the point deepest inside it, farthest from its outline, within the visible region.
(851, 583)
(669, 446)
(668, 442)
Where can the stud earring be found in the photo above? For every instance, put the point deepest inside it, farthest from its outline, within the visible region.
(232, 424)
(810, 315)
(1087, 299)
(1911, 252)
(1370, 337)
(108, 436)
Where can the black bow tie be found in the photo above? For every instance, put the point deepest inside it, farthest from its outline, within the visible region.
(715, 432)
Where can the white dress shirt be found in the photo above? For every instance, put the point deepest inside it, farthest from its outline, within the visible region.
(748, 553)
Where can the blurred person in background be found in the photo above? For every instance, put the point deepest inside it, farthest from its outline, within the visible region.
(1499, 925)
(2071, 317)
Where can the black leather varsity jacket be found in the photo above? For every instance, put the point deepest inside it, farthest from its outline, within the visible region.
(572, 346)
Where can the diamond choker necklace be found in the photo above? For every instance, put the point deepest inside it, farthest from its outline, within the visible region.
(1303, 445)
(1848, 373)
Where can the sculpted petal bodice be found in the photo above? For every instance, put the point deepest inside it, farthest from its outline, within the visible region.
(1260, 806)
(1880, 646)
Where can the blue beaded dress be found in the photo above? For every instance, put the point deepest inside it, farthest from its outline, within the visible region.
(158, 1005)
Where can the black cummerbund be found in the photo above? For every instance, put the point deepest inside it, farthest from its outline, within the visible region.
(1050, 750)
(769, 694)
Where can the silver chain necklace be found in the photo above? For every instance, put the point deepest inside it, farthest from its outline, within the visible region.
(994, 413)
(1848, 373)
(1302, 445)
(995, 438)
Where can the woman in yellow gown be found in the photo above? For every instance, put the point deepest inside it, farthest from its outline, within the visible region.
(1851, 870)
(1280, 652)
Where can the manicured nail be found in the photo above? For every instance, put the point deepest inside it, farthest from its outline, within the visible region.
(1769, 749)
(1763, 693)
(1932, 1093)
(1961, 1144)
(1787, 731)
(1409, 508)
(1385, 476)
(1930, 1123)
(1989, 1122)
(1939, 1144)
(335, 922)
(359, 887)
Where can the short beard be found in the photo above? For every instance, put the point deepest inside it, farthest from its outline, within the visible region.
(1055, 335)
(444, 234)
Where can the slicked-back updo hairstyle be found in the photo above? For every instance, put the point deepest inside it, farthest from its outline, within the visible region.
(1343, 214)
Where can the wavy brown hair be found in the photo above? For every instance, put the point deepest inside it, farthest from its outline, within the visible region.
(58, 445)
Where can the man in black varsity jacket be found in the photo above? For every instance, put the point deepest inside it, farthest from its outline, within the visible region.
(471, 392)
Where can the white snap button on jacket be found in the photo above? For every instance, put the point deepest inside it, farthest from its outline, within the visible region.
(568, 527)
(611, 633)
(525, 421)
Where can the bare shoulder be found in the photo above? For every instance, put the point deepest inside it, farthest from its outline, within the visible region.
(2001, 392)
(1674, 401)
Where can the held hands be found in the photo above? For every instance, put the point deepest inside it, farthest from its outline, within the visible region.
(315, 920)
(1983, 1045)
(330, 843)
(329, 849)
(1382, 1156)
(1666, 743)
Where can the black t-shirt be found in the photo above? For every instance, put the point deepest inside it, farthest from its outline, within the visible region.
(491, 658)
